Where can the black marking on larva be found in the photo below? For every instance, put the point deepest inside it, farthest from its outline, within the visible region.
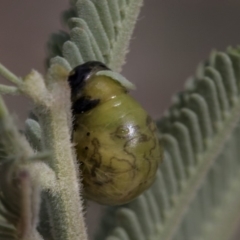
(127, 143)
(152, 128)
(86, 148)
(96, 158)
(150, 124)
(78, 76)
(153, 147)
(136, 139)
(98, 183)
(143, 138)
(88, 134)
(101, 183)
(84, 104)
(132, 166)
(149, 163)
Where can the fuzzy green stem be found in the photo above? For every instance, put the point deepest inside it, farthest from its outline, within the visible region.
(65, 204)
(9, 75)
(43, 174)
(3, 108)
(4, 89)
(25, 202)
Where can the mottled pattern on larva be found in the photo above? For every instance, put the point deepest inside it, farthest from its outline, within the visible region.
(118, 150)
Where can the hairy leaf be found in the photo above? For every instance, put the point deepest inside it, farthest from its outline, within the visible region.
(196, 194)
(99, 30)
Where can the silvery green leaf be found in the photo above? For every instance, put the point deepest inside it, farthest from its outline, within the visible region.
(33, 133)
(99, 30)
(196, 194)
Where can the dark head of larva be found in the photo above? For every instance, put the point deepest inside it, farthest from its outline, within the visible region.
(81, 73)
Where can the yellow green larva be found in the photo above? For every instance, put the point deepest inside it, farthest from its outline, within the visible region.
(115, 139)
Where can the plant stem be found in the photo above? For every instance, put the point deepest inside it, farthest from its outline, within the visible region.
(9, 75)
(65, 204)
(4, 89)
(3, 109)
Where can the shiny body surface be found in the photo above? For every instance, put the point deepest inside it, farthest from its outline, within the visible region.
(116, 143)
